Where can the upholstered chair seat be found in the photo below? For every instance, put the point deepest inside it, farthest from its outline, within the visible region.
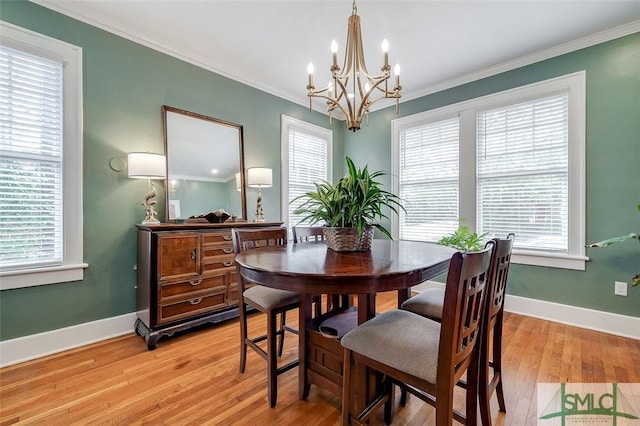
(429, 303)
(404, 341)
(269, 298)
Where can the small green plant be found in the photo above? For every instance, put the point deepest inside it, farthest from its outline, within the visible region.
(354, 201)
(609, 241)
(463, 239)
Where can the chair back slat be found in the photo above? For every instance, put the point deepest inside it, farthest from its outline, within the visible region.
(305, 234)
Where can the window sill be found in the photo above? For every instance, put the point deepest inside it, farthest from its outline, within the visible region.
(41, 276)
(549, 260)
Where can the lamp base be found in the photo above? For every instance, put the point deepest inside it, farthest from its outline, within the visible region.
(153, 221)
(259, 212)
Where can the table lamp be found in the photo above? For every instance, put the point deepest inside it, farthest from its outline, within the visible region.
(259, 177)
(146, 165)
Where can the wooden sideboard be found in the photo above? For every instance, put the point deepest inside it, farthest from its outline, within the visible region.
(186, 276)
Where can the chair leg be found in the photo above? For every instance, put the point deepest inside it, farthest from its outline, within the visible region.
(497, 362)
(484, 397)
(283, 320)
(472, 392)
(243, 336)
(346, 388)
(403, 396)
(272, 366)
(444, 407)
(388, 405)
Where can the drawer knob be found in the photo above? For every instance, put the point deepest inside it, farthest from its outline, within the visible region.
(226, 237)
(193, 253)
(195, 282)
(227, 250)
(227, 262)
(195, 301)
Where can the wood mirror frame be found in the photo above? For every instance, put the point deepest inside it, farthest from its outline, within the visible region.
(195, 145)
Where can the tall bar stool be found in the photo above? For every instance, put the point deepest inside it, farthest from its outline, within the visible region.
(430, 304)
(423, 356)
(270, 301)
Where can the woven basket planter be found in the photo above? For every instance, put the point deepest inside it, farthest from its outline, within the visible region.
(347, 239)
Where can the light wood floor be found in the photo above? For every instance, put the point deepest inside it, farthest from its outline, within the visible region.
(193, 379)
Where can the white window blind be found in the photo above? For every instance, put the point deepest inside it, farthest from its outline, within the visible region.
(429, 180)
(522, 173)
(31, 221)
(308, 164)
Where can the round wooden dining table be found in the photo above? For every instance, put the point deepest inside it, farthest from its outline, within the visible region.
(312, 269)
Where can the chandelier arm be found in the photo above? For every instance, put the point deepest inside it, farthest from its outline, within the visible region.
(332, 103)
(343, 93)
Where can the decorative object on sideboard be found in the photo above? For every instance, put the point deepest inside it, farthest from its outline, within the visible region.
(259, 177)
(351, 89)
(216, 216)
(349, 208)
(147, 165)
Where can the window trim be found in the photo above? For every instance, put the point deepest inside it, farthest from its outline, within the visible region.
(73, 265)
(575, 84)
(286, 123)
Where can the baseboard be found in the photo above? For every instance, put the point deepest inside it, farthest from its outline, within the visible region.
(606, 322)
(39, 345)
(26, 348)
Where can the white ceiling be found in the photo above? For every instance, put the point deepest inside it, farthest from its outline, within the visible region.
(268, 44)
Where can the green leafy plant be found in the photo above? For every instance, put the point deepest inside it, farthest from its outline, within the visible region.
(356, 200)
(463, 239)
(614, 240)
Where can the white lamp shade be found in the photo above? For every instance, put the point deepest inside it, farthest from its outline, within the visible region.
(259, 177)
(146, 165)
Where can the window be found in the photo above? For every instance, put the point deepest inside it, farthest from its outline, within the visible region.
(40, 160)
(306, 159)
(508, 162)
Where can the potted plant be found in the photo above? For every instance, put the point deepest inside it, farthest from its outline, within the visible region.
(604, 243)
(350, 208)
(463, 239)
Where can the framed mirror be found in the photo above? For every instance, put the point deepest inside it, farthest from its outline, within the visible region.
(205, 165)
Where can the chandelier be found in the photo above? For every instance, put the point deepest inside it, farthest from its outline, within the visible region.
(352, 89)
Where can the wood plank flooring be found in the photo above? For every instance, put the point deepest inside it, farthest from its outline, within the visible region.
(193, 379)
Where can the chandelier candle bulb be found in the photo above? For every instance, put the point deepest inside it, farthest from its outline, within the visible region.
(310, 71)
(334, 51)
(385, 50)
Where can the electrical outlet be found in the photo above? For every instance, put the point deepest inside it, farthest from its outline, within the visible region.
(621, 288)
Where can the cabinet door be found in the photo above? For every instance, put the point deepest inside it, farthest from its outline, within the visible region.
(178, 255)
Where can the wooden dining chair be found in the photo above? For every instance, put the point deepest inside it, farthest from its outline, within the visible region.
(430, 304)
(424, 356)
(270, 301)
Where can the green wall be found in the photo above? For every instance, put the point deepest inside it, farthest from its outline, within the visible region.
(125, 86)
(613, 168)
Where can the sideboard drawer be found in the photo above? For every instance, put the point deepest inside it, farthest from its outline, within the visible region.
(226, 262)
(217, 237)
(213, 250)
(182, 288)
(187, 308)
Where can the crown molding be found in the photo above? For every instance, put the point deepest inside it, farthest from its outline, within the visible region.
(197, 60)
